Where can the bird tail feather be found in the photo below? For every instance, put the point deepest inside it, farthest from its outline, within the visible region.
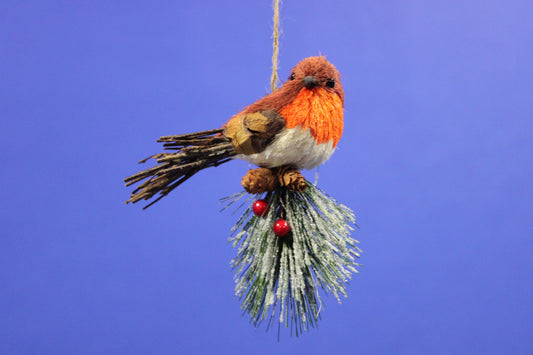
(191, 153)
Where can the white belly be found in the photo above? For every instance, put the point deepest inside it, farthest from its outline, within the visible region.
(292, 147)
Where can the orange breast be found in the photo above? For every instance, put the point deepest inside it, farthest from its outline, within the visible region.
(319, 110)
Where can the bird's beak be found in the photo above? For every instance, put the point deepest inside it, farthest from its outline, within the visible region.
(310, 82)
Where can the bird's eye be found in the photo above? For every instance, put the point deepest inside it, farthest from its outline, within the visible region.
(291, 77)
(330, 83)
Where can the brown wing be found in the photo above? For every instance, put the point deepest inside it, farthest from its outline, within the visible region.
(252, 132)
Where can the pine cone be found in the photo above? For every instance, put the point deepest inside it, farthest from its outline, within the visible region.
(259, 180)
(291, 178)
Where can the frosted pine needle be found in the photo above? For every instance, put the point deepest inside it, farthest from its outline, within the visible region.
(278, 278)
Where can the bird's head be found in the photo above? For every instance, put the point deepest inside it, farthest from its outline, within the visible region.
(315, 73)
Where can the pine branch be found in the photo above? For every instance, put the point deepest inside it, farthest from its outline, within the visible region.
(278, 278)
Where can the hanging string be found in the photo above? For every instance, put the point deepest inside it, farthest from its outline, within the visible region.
(275, 47)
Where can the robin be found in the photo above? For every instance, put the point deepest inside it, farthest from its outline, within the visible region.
(296, 127)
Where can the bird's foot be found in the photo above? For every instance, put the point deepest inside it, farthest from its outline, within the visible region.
(291, 178)
(259, 180)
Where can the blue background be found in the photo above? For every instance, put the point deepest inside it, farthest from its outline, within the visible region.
(435, 160)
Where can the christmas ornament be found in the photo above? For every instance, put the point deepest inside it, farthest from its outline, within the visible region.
(296, 127)
(297, 239)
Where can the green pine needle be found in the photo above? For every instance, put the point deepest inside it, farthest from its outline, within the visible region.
(278, 278)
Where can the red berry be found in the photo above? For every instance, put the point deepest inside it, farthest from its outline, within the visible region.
(261, 208)
(281, 228)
